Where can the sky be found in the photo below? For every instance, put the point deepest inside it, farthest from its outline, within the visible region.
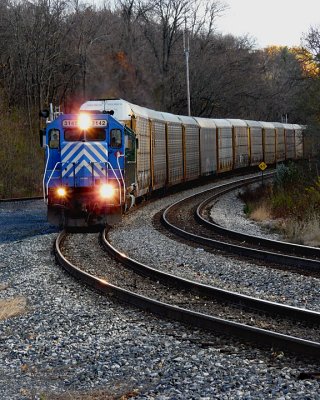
(270, 22)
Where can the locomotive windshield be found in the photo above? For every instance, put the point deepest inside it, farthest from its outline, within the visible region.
(87, 135)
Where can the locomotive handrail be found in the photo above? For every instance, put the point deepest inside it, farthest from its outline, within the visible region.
(124, 185)
(53, 171)
(44, 175)
(115, 175)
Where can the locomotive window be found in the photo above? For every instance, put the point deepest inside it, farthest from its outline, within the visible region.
(90, 135)
(54, 135)
(73, 135)
(115, 138)
(130, 148)
(95, 134)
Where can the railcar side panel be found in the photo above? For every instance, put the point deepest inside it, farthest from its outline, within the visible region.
(141, 127)
(290, 141)
(255, 142)
(191, 148)
(175, 153)
(298, 141)
(240, 143)
(159, 159)
(208, 142)
(224, 145)
(269, 142)
(192, 152)
(280, 142)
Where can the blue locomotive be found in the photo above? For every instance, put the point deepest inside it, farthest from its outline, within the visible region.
(86, 156)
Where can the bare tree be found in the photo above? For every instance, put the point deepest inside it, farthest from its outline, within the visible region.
(312, 43)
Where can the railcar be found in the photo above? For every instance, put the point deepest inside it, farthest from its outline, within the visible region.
(124, 151)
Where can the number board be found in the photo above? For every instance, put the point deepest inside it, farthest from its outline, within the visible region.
(68, 123)
(72, 123)
(99, 122)
(262, 166)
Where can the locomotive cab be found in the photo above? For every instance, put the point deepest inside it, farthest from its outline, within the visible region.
(84, 181)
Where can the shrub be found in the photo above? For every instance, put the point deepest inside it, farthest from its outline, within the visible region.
(286, 177)
(293, 196)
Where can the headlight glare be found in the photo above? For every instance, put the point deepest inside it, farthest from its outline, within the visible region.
(61, 192)
(84, 121)
(106, 191)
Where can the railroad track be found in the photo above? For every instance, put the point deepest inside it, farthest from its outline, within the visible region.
(17, 199)
(189, 218)
(192, 303)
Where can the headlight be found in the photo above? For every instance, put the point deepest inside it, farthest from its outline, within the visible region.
(61, 192)
(84, 121)
(107, 191)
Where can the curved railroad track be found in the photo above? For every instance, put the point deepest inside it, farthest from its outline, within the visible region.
(189, 218)
(193, 303)
(14, 199)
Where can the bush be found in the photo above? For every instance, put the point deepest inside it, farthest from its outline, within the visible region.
(21, 158)
(286, 177)
(294, 196)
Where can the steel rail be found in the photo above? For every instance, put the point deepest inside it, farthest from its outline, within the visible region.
(295, 249)
(299, 263)
(222, 326)
(21, 199)
(209, 291)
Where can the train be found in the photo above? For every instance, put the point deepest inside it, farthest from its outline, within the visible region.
(98, 161)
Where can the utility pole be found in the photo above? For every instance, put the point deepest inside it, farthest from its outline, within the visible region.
(186, 50)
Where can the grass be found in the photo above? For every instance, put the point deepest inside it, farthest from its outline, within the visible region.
(261, 213)
(303, 232)
(291, 202)
(12, 307)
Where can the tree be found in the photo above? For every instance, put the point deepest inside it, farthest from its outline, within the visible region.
(162, 23)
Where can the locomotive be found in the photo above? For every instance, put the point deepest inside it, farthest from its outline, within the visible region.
(100, 160)
(84, 180)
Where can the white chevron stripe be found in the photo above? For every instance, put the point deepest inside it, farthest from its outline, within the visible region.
(84, 153)
(96, 152)
(66, 147)
(85, 145)
(76, 159)
(88, 167)
(75, 148)
(81, 153)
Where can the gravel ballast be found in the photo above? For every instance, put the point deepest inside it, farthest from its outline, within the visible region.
(71, 340)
